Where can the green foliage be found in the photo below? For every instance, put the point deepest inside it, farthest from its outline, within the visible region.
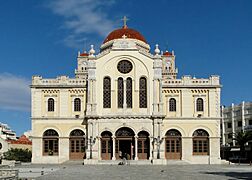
(242, 138)
(23, 155)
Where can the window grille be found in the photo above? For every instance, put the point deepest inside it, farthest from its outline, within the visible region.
(77, 104)
(199, 104)
(143, 93)
(200, 142)
(106, 92)
(129, 93)
(172, 104)
(120, 92)
(50, 104)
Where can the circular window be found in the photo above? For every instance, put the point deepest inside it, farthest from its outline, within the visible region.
(1, 146)
(124, 66)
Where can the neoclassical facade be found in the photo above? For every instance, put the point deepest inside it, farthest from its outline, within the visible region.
(126, 101)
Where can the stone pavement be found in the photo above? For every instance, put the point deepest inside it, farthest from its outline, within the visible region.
(133, 172)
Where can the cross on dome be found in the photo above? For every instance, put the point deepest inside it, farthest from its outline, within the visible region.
(124, 19)
(124, 36)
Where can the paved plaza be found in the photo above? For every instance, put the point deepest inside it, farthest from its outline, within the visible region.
(147, 172)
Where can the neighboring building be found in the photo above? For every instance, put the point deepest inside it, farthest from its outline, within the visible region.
(126, 101)
(235, 118)
(22, 143)
(6, 134)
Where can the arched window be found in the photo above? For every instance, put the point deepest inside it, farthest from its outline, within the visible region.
(106, 92)
(77, 104)
(50, 104)
(50, 143)
(120, 92)
(143, 92)
(129, 93)
(172, 104)
(200, 142)
(199, 104)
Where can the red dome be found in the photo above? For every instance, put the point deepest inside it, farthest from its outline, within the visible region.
(166, 53)
(84, 54)
(130, 33)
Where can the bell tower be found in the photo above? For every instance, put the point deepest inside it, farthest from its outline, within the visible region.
(169, 70)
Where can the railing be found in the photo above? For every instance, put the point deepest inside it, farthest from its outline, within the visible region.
(62, 80)
(8, 174)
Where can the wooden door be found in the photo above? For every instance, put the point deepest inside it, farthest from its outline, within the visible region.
(106, 149)
(173, 148)
(77, 148)
(143, 148)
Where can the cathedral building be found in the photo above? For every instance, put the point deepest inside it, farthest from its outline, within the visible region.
(126, 102)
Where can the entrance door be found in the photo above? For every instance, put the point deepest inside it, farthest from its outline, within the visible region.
(125, 146)
(106, 145)
(143, 145)
(106, 148)
(125, 143)
(173, 148)
(77, 148)
(143, 149)
(77, 145)
(173, 145)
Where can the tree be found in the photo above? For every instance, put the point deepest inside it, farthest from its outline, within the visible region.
(242, 138)
(23, 155)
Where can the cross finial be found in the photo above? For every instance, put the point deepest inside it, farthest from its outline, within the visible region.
(125, 19)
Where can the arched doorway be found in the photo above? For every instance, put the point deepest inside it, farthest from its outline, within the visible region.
(77, 144)
(143, 145)
(106, 145)
(173, 147)
(200, 142)
(50, 143)
(125, 143)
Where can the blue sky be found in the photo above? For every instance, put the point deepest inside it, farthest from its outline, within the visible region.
(43, 38)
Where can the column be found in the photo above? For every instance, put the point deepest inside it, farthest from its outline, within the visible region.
(223, 126)
(160, 97)
(233, 123)
(114, 143)
(94, 96)
(151, 147)
(124, 95)
(136, 147)
(154, 97)
(242, 115)
(89, 96)
(99, 147)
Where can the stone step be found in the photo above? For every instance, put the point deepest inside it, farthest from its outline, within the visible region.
(80, 162)
(127, 162)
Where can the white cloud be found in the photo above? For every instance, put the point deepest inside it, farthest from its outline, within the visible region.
(83, 17)
(14, 92)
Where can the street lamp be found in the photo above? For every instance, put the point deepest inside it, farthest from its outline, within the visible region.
(158, 141)
(91, 142)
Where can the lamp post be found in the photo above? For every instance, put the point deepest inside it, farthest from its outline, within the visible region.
(91, 142)
(158, 141)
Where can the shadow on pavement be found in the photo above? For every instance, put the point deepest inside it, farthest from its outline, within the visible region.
(235, 175)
